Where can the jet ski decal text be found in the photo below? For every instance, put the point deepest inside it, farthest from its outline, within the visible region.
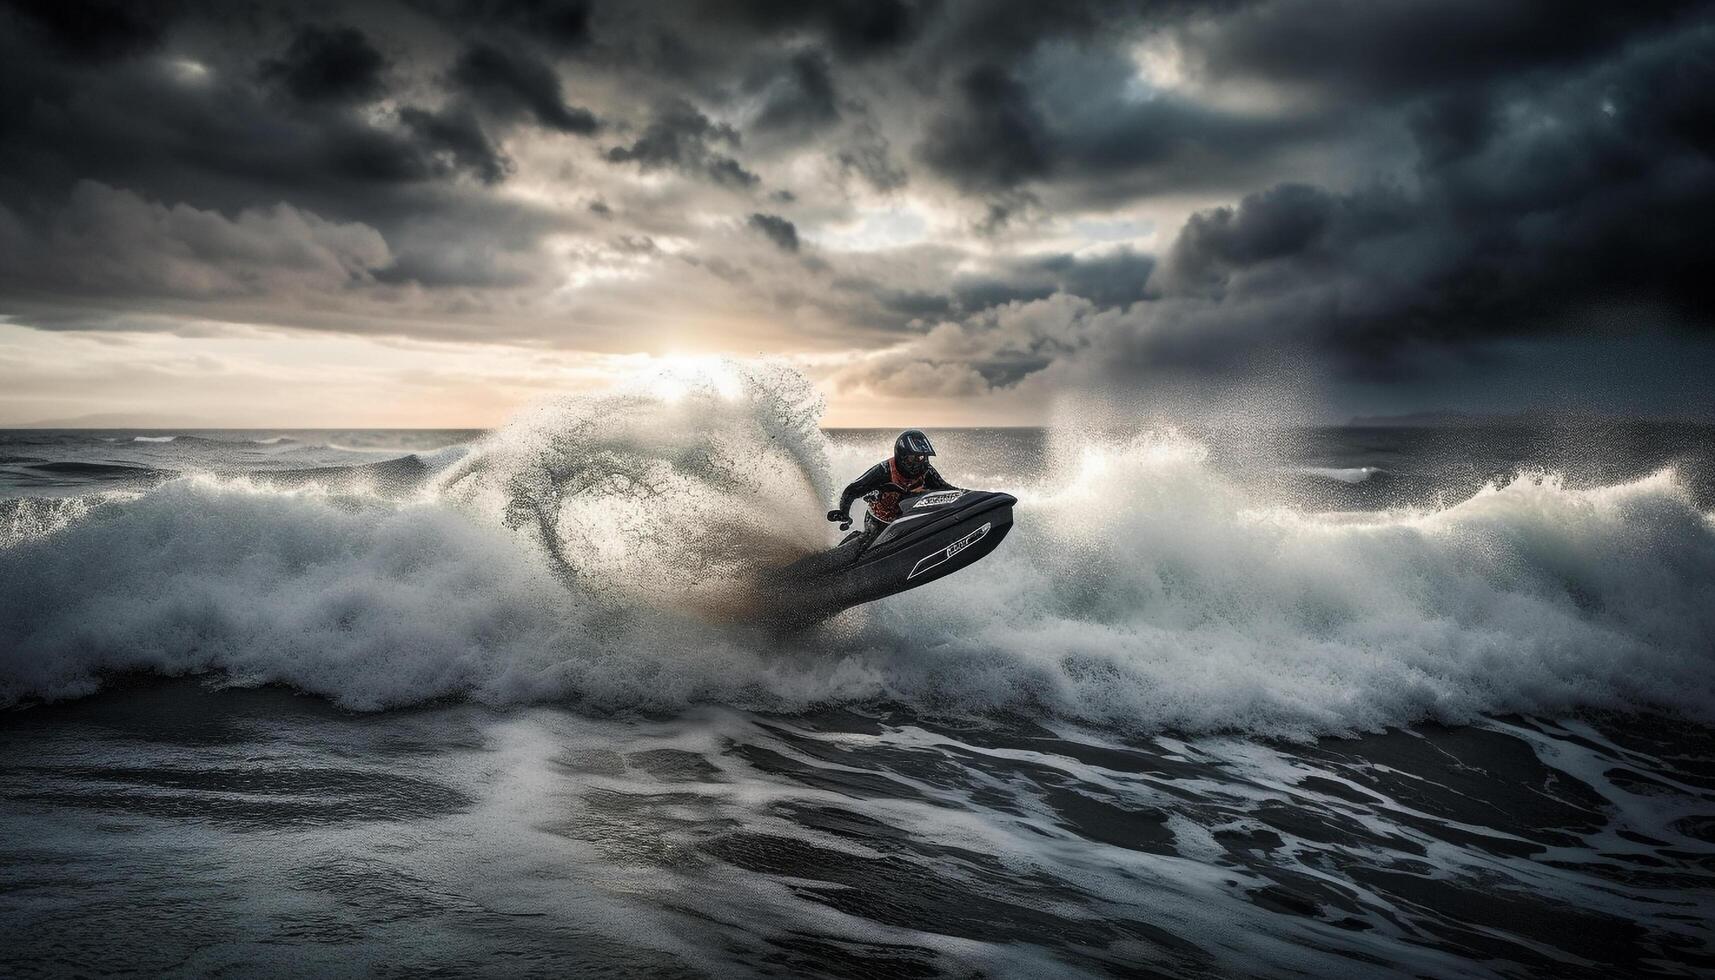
(938, 498)
(928, 562)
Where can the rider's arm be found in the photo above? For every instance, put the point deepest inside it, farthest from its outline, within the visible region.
(873, 479)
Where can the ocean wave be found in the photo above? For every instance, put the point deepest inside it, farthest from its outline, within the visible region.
(1344, 474)
(216, 440)
(96, 471)
(597, 550)
(458, 447)
(1147, 589)
(675, 492)
(336, 447)
(24, 518)
(398, 477)
(207, 440)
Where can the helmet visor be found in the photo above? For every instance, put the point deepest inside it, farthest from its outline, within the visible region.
(916, 443)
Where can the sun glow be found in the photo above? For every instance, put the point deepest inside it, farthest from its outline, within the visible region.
(671, 377)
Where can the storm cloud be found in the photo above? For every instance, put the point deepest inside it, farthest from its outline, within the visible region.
(512, 83)
(329, 65)
(777, 230)
(951, 199)
(682, 138)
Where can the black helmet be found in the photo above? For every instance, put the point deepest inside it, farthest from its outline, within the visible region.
(911, 452)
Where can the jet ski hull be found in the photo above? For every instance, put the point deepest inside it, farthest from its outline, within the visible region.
(934, 538)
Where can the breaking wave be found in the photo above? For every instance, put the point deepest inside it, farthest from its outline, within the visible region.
(597, 549)
(1148, 589)
(673, 493)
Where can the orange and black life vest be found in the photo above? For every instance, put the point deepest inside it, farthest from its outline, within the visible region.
(884, 504)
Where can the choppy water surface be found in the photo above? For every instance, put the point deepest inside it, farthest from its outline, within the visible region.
(1333, 702)
(168, 829)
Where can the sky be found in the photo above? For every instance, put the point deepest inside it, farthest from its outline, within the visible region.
(432, 212)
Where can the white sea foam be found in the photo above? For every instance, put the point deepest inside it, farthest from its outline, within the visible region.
(24, 518)
(591, 551)
(1148, 589)
(153, 438)
(672, 492)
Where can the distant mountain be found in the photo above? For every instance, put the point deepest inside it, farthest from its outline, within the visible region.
(115, 420)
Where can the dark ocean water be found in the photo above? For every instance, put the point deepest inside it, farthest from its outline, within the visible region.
(1328, 702)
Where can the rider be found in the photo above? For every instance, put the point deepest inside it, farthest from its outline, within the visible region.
(906, 472)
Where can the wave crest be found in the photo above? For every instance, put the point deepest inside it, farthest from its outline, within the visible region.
(674, 491)
(1149, 590)
(591, 550)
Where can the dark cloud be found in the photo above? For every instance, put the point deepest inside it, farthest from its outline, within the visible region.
(1282, 222)
(1076, 120)
(1009, 31)
(128, 246)
(869, 156)
(799, 96)
(635, 244)
(1385, 49)
(993, 139)
(203, 128)
(95, 30)
(456, 141)
(1452, 126)
(776, 229)
(1115, 279)
(680, 137)
(855, 28)
(329, 64)
(1389, 192)
(466, 263)
(560, 24)
(1554, 211)
(904, 306)
(513, 83)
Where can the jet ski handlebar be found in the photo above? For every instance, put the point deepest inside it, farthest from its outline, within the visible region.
(844, 519)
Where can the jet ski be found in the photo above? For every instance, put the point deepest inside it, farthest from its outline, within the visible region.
(936, 534)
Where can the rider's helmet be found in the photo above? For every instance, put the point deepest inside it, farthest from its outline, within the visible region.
(911, 452)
